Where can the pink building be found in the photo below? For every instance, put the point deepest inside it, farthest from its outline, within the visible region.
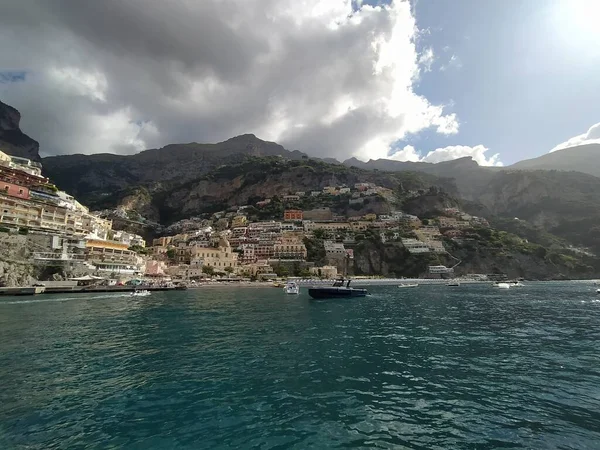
(14, 190)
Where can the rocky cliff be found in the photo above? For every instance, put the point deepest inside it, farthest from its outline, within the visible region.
(492, 252)
(12, 140)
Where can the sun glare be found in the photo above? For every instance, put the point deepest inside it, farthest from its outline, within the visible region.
(581, 18)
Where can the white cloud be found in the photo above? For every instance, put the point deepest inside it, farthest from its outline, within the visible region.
(453, 63)
(477, 153)
(426, 59)
(408, 153)
(331, 78)
(591, 137)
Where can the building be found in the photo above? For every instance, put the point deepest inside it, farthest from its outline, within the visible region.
(112, 256)
(155, 269)
(20, 177)
(428, 232)
(162, 241)
(248, 254)
(415, 246)
(264, 250)
(291, 198)
(328, 272)
(300, 193)
(480, 222)
(218, 258)
(293, 215)
(19, 212)
(130, 239)
(436, 246)
(14, 190)
(440, 270)
(239, 221)
(330, 190)
(344, 190)
(453, 234)
(315, 193)
(370, 217)
(327, 226)
(289, 248)
(359, 225)
(334, 249)
(259, 269)
(363, 186)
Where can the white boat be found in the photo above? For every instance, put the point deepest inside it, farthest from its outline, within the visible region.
(141, 293)
(291, 288)
(453, 284)
(407, 285)
(503, 285)
(597, 291)
(516, 284)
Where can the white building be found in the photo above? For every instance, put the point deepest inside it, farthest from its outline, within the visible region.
(415, 246)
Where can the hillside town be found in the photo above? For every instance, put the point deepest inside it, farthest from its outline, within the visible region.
(224, 245)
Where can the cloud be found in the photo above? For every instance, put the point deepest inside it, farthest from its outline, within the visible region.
(478, 153)
(453, 63)
(330, 78)
(591, 137)
(426, 59)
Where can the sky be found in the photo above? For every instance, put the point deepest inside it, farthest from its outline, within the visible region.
(425, 80)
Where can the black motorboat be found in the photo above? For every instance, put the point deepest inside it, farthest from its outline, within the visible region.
(338, 290)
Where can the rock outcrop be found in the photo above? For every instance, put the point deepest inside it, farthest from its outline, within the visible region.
(12, 140)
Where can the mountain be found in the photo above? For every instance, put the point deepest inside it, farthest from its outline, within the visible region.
(185, 179)
(583, 158)
(156, 168)
(12, 140)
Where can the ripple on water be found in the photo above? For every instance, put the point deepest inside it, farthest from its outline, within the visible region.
(470, 367)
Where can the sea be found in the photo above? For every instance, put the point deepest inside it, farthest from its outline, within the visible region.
(433, 367)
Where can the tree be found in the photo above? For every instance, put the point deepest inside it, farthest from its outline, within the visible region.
(208, 270)
(229, 270)
(282, 271)
(171, 253)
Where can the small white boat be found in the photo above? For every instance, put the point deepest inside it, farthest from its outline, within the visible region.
(516, 284)
(453, 284)
(291, 288)
(141, 293)
(408, 285)
(503, 285)
(597, 291)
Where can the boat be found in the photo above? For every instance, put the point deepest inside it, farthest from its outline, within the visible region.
(408, 285)
(516, 283)
(338, 290)
(291, 288)
(506, 284)
(453, 284)
(597, 291)
(141, 293)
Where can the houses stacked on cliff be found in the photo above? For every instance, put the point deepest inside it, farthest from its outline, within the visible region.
(59, 228)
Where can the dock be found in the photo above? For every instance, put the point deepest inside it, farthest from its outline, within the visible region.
(22, 290)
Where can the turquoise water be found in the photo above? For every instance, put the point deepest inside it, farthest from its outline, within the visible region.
(426, 368)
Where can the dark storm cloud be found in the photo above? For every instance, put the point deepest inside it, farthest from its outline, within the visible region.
(318, 76)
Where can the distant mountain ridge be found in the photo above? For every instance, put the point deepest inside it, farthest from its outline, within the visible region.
(543, 191)
(12, 140)
(583, 158)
